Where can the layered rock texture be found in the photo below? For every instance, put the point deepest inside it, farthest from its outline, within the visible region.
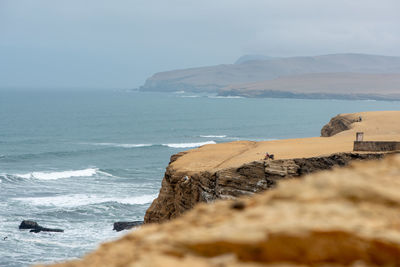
(339, 124)
(346, 217)
(181, 192)
(230, 170)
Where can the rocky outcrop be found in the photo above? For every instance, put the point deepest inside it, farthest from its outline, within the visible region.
(27, 224)
(376, 146)
(119, 226)
(36, 228)
(181, 191)
(338, 124)
(346, 217)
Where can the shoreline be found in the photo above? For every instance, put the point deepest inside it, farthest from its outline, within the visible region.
(309, 96)
(341, 217)
(235, 172)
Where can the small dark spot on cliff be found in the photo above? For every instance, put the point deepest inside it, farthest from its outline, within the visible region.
(176, 156)
(238, 205)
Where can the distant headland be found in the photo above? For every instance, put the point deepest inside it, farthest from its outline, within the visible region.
(334, 76)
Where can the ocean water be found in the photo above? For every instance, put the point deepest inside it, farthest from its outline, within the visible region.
(82, 160)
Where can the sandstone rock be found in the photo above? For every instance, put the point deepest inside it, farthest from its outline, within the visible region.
(345, 217)
(181, 191)
(338, 124)
(281, 168)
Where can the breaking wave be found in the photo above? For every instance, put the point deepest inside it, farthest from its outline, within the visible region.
(172, 145)
(213, 136)
(60, 174)
(76, 200)
(121, 145)
(189, 145)
(230, 97)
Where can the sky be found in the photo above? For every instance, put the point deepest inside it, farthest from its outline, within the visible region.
(99, 44)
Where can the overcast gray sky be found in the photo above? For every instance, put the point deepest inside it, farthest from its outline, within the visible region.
(118, 43)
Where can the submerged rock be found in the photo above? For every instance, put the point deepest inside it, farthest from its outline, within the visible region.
(36, 228)
(119, 226)
(345, 217)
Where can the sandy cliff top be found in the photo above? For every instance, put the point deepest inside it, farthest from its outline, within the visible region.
(345, 217)
(377, 126)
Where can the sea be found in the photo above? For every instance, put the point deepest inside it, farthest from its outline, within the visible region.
(82, 160)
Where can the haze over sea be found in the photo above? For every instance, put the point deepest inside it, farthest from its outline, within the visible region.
(82, 160)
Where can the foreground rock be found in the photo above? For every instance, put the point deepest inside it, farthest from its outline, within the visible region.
(119, 226)
(346, 217)
(36, 228)
(182, 191)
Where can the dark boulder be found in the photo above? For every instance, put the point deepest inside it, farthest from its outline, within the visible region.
(26, 224)
(36, 228)
(119, 226)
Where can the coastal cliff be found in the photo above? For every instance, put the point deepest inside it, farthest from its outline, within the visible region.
(334, 76)
(330, 217)
(345, 217)
(230, 170)
(351, 86)
(339, 124)
(182, 191)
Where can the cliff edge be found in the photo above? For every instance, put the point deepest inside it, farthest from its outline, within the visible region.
(339, 124)
(230, 170)
(180, 192)
(346, 217)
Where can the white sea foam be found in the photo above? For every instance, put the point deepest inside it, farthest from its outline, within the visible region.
(76, 200)
(121, 145)
(190, 96)
(213, 136)
(189, 145)
(230, 97)
(58, 175)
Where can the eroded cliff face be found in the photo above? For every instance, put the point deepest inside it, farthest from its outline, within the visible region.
(345, 217)
(181, 191)
(338, 124)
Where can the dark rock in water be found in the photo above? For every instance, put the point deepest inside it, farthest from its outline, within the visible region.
(44, 229)
(26, 224)
(36, 228)
(119, 226)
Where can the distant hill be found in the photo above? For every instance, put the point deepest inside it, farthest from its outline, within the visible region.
(247, 58)
(322, 86)
(215, 78)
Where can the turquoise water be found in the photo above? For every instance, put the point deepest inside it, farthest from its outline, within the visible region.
(83, 160)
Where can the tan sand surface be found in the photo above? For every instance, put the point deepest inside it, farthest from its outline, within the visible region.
(377, 126)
